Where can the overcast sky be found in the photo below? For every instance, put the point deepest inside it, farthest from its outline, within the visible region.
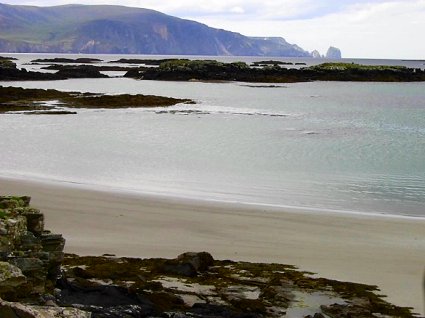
(360, 28)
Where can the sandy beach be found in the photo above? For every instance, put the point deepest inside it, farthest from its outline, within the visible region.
(380, 250)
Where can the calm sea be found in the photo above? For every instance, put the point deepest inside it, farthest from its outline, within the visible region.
(322, 145)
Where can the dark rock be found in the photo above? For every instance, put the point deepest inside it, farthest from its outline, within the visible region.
(66, 60)
(134, 73)
(35, 221)
(207, 70)
(174, 267)
(187, 264)
(51, 112)
(14, 99)
(11, 73)
(219, 311)
(16, 310)
(129, 311)
(103, 300)
(80, 71)
(316, 315)
(200, 261)
(11, 279)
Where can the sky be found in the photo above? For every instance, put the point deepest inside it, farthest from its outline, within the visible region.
(360, 28)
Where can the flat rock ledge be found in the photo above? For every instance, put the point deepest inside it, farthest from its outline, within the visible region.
(38, 280)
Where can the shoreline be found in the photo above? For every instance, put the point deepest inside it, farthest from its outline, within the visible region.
(372, 249)
(219, 202)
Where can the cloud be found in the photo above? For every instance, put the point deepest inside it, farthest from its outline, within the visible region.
(369, 29)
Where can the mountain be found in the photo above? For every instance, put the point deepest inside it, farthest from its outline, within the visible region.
(124, 30)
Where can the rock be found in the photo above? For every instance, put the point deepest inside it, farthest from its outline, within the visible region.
(181, 70)
(80, 71)
(333, 53)
(18, 310)
(187, 264)
(315, 54)
(173, 267)
(316, 315)
(35, 221)
(66, 60)
(26, 246)
(11, 278)
(192, 285)
(200, 261)
(11, 73)
(35, 271)
(61, 312)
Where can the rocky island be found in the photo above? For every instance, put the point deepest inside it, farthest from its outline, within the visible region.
(273, 72)
(41, 101)
(211, 70)
(38, 280)
(9, 72)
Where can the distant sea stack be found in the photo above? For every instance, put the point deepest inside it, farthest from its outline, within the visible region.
(333, 53)
(316, 54)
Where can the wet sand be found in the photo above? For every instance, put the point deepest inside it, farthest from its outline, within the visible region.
(385, 251)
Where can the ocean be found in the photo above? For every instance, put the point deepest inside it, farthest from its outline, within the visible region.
(320, 146)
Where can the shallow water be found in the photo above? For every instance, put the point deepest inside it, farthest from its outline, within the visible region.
(322, 145)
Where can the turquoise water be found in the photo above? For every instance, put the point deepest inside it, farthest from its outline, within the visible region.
(323, 145)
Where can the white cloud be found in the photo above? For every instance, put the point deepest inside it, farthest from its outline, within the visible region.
(391, 29)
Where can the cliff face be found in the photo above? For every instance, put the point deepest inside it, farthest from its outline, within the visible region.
(122, 30)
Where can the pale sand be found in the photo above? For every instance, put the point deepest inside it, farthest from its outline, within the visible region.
(378, 250)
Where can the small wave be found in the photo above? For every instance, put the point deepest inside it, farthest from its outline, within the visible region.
(263, 86)
(217, 110)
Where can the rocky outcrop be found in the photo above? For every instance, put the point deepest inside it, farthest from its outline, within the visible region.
(9, 72)
(47, 284)
(30, 255)
(18, 310)
(34, 101)
(80, 71)
(274, 72)
(316, 54)
(333, 53)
